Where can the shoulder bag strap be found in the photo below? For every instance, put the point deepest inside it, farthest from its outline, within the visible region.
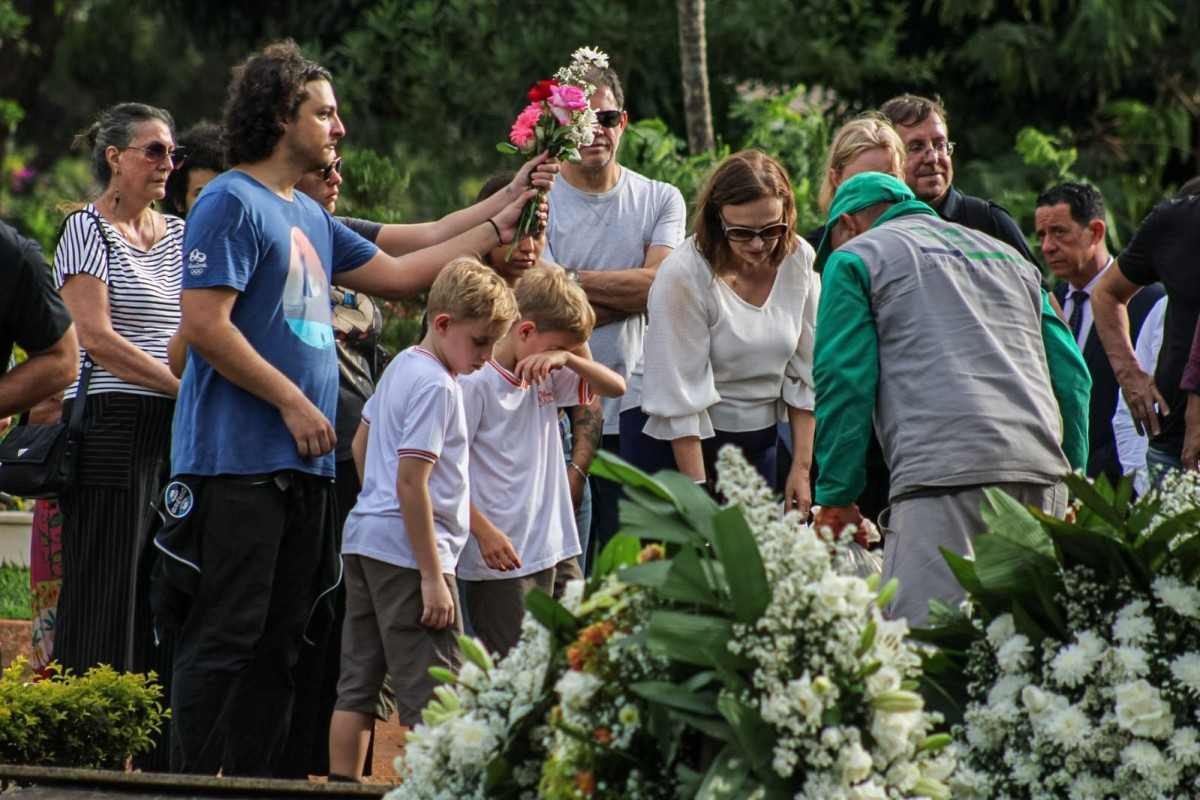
(75, 424)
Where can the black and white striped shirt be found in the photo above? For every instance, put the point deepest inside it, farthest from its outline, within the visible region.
(143, 287)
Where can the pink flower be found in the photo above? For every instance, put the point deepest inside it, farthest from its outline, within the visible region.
(522, 133)
(565, 99)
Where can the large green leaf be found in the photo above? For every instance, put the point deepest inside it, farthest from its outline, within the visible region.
(636, 520)
(693, 639)
(1007, 517)
(964, 571)
(650, 501)
(677, 697)
(616, 469)
(755, 737)
(621, 551)
(652, 574)
(1003, 565)
(715, 727)
(1110, 559)
(726, 776)
(744, 572)
(693, 502)
(690, 581)
(1094, 501)
(552, 615)
(1155, 543)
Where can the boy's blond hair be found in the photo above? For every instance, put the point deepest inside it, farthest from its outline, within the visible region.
(554, 302)
(468, 289)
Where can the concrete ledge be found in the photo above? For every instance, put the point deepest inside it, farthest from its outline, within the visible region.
(15, 530)
(35, 783)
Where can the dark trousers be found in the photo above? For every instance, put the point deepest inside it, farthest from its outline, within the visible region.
(653, 455)
(605, 495)
(263, 539)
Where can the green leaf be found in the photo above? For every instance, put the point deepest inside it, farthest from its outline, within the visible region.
(507, 149)
(964, 571)
(744, 572)
(650, 501)
(754, 735)
(676, 697)
(693, 639)
(498, 773)
(552, 615)
(715, 727)
(725, 777)
(1007, 517)
(693, 502)
(1093, 500)
(1004, 566)
(621, 551)
(1111, 559)
(689, 582)
(1155, 543)
(614, 468)
(652, 574)
(636, 520)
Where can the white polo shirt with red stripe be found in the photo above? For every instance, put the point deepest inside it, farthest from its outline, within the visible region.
(518, 478)
(416, 412)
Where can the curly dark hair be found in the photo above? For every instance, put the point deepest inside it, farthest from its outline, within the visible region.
(267, 90)
(205, 150)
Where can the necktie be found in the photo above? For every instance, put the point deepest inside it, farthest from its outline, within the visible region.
(1077, 298)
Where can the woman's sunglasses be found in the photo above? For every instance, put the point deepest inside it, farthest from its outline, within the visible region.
(609, 119)
(736, 233)
(327, 171)
(157, 152)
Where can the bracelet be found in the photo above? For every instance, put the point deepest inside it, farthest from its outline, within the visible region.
(578, 469)
(496, 228)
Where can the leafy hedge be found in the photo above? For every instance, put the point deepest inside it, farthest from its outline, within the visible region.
(14, 592)
(96, 720)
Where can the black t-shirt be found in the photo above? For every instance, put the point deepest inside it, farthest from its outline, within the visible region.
(356, 358)
(985, 217)
(31, 312)
(1167, 248)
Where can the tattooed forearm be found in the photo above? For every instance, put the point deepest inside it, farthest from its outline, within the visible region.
(587, 423)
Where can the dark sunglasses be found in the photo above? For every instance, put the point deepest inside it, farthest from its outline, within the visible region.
(327, 172)
(736, 233)
(157, 152)
(609, 119)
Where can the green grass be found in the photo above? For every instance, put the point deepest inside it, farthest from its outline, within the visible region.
(14, 592)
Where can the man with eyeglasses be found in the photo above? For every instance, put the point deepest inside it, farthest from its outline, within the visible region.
(929, 171)
(611, 228)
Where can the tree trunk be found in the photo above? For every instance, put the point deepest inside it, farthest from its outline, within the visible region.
(693, 58)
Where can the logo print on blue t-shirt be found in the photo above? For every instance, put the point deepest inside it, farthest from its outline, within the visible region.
(306, 294)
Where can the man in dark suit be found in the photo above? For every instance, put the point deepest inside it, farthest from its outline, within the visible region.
(1071, 229)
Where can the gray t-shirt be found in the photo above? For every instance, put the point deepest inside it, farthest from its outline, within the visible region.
(612, 231)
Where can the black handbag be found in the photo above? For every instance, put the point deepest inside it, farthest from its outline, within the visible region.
(39, 460)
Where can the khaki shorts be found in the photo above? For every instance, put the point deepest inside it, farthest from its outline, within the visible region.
(383, 635)
(496, 608)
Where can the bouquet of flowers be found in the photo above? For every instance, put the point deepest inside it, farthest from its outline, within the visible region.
(558, 119)
(1082, 649)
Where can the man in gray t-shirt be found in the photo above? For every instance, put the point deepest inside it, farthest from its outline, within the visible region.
(611, 228)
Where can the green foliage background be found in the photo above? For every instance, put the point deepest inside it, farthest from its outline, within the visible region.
(1106, 90)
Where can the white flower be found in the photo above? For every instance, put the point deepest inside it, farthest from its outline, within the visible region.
(1034, 699)
(472, 676)
(891, 731)
(1132, 662)
(591, 57)
(1069, 727)
(576, 688)
(867, 791)
(1186, 669)
(629, 716)
(856, 764)
(473, 742)
(1013, 655)
(1142, 711)
(1072, 665)
(1006, 689)
(1133, 627)
(1001, 630)
(886, 679)
(1185, 746)
(1143, 757)
(573, 595)
(1179, 597)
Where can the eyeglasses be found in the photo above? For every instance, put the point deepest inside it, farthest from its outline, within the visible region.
(157, 152)
(941, 147)
(610, 118)
(327, 171)
(736, 233)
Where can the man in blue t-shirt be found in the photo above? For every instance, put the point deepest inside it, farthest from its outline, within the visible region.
(253, 437)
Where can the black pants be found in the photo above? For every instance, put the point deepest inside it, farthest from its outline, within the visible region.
(605, 495)
(263, 539)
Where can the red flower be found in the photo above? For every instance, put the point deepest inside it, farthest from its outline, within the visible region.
(541, 91)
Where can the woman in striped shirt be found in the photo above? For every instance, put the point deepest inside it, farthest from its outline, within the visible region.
(118, 266)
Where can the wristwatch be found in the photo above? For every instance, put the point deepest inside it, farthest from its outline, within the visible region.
(573, 274)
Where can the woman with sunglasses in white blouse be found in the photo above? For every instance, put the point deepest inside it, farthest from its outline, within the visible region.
(728, 349)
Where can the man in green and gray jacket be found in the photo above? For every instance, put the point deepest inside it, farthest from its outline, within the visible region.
(944, 338)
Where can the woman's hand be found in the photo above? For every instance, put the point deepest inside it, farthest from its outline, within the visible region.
(510, 216)
(797, 491)
(538, 172)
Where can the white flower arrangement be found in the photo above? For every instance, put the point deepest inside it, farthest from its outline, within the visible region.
(834, 679)
(1111, 713)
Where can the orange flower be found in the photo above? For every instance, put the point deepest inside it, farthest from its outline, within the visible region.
(652, 552)
(603, 735)
(576, 657)
(597, 634)
(586, 783)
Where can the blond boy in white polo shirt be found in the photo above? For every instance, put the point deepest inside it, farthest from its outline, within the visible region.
(403, 538)
(522, 520)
